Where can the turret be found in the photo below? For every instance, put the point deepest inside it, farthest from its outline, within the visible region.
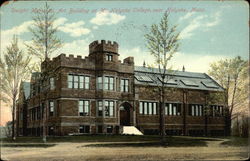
(111, 47)
(104, 52)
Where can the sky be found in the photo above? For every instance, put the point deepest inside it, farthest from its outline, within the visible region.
(209, 31)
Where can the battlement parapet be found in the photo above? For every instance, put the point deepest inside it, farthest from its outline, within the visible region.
(71, 60)
(103, 46)
(129, 60)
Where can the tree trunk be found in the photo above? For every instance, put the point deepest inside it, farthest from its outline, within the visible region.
(206, 114)
(13, 118)
(162, 116)
(228, 123)
(238, 126)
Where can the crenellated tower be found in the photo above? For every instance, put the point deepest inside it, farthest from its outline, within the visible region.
(104, 52)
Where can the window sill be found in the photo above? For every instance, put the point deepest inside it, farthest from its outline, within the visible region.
(105, 117)
(76, 89)
(173, 115)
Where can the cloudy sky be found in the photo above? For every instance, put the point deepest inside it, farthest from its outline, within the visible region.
(209, 30)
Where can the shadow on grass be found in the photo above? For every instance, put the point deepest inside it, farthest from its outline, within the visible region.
(170, 142)
(151, 144)
(28, 145)
(130, 140)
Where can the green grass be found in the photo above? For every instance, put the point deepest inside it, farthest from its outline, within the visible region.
(236, 141)
(84, 138)
(175, 141)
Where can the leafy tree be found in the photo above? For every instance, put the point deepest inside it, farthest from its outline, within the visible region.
(44, 38)
(14, 67)
(229, 74)
(162, 42)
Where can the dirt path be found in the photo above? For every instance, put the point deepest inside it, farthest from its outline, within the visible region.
(79, 151)
(217, 143)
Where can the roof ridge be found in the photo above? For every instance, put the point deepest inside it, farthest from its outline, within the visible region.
(171, 70)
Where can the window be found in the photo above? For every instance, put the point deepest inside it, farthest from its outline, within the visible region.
(51, 130)
(173, 109)
(109, 83)
(78, 81)
(99, 129)
(109, 129)
(34, 113)
(109, 108)
(147, 108)
(21, 116)
(52, 83)
(70, 81)
(38, 113)
(173, 132)
(154, 108)
(124, 85)
(84, 108)
(99, 108)
(84, 129)
(216, 111)
(99, 83)
(51, 108)
(141, 108)
(170, 109)
(196, 110)
(192, 110)
(83, 82)
(150, 108)
(86, 82)
(200, 110)
(42, 113)
(109, 57)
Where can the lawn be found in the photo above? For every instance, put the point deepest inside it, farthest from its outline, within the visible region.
(128, 140)
(236, 141)
(83, 138)
(123, 148)
(124, 140)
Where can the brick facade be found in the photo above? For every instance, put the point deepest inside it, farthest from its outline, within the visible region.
(76, 88)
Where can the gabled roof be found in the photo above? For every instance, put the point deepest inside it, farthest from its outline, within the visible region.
(177, 79)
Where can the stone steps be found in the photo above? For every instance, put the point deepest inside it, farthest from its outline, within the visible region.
(131, 130)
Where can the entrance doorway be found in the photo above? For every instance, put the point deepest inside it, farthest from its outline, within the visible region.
(125, 114)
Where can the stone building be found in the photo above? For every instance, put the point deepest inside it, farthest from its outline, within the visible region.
(100, 94)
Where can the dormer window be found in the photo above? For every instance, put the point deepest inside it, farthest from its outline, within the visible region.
(109, 57)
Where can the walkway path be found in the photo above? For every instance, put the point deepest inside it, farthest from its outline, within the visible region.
(79, 151)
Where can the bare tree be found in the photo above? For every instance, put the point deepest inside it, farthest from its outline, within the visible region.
(14, 67)
(44, 43)
(162, 42)
(44, 38)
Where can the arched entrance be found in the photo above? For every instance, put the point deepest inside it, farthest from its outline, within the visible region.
(125, 114)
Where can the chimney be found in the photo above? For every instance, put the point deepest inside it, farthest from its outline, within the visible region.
(183, 68)
(144, 64)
